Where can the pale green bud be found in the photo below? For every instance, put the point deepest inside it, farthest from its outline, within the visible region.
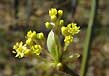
(48, 25)
(61, 22)
(40, 35)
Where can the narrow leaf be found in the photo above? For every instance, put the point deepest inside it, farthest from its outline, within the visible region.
(53, 45)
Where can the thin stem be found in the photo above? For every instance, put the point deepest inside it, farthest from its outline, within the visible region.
(66, 46)
(86, 48)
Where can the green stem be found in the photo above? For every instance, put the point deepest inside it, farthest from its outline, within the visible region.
(66, 46)
(87, 40)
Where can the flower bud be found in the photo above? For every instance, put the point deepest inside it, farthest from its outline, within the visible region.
(61, 22)
(53, 18)
(27, 52)
(36, 49)
(40, 35)
(64, 31)
(29, 41)
(60, 12)
(52, 12)
(31, 34)
(48, 25)
(68, 39)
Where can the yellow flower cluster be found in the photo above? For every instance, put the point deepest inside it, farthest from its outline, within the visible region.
(58, 23)
(31, 34)
(69, 32)
(71, 29)
(55, 16)
(53, 12)
(32, 37)
(36, 49)
(68, 39)
(30, 47)
(21, 49)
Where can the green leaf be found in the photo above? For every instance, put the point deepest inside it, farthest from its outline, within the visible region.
(53, 45)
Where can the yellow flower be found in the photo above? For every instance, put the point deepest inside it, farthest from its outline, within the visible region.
(61, 22)
(31, 37)
(60, 12)
(29, 41)
(31, 34)
(20, 49)
(52, 12)
(71, 29)
(48, 25)
(53, 18)
(36, 49)
(40, 35)
(68, 39)
(64, 31)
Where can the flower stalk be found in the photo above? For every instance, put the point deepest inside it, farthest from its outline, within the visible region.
(87, 44)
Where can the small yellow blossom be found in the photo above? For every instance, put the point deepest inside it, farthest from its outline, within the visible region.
(29, 41)
(60, 12)
(31, 37)
(53, 18)
(71, 29)
(68, 39)
(52, 11)
(40, 35)
(64, 31)
(61, 22)
(20, 49)
(31, 34)
(48, 25)
(36, 49)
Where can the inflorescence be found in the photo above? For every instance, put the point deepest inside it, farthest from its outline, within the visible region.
(32, 44)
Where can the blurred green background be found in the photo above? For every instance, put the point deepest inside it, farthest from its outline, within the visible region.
(19, 16)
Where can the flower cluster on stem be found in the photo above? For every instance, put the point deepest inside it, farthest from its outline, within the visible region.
(31, 45)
